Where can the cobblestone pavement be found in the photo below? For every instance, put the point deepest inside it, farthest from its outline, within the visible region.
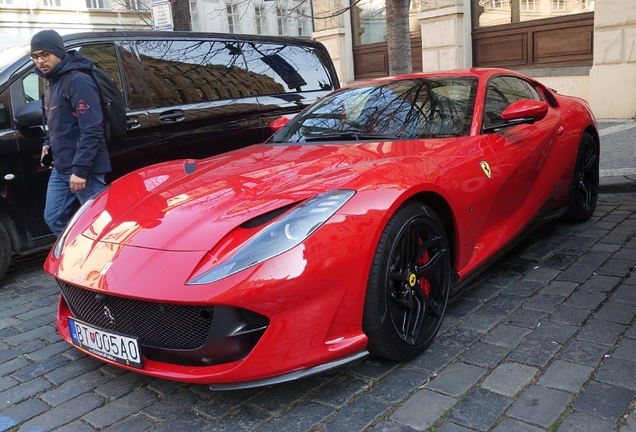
(544, 340)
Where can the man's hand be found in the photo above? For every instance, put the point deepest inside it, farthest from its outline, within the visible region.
(45, 159)
(77, 183)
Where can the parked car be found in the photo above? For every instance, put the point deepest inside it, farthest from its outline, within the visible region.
(188, 95)
(342, 235)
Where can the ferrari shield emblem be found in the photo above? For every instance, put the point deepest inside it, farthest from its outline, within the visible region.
(412, 279)
(486, 168)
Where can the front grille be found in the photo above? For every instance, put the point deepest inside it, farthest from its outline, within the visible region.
(159, 325)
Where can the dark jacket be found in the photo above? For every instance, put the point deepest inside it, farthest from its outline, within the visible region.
(76, 134)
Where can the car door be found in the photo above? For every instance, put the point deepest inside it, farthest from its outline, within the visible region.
(285, 78)
(523, 155)
(201, 97)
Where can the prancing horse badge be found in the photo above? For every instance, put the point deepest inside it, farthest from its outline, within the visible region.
(486, 168)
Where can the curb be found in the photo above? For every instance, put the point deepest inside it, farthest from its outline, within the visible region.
(617, 184)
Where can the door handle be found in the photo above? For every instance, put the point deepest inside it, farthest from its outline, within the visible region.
(172, 116)
(133, 122)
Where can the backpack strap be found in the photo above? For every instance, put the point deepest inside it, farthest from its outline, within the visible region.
(66, 86)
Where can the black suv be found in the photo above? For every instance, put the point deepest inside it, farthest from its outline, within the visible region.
(188, 95)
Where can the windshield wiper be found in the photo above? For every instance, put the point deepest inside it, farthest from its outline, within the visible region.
(349, 136)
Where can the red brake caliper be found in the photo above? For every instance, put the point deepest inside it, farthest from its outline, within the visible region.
(425, 285)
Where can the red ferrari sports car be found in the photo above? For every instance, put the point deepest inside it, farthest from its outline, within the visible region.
(341, 236)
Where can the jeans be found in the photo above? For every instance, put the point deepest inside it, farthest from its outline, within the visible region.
(60, 199)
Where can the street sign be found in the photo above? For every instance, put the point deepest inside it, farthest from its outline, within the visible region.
(162, 15)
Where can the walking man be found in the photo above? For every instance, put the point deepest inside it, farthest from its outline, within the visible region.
(76, 135)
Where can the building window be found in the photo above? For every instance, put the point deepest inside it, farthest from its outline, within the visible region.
(6, 2)
(135, 5)
(194, 16)
(281, 22)
(98, 4)
(232, 18)
(497, 5)
(559, 5)
(302, 23)
(529, 6)
(261, 23)
(52, 3)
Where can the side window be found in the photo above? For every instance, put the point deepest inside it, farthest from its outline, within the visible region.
(33, 86)
(181, 72)
(104, 57)
(277, 69)
(502, 91)
(134, 86)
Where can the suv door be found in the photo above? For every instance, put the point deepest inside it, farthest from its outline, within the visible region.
(285, 78)
(201, 97)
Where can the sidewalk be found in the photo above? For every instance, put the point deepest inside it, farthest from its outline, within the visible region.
(618, 155)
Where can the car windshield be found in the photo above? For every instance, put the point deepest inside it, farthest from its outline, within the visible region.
(8, 55)
(402, 109)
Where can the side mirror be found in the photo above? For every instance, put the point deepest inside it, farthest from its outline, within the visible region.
(277, 124)
(30, 114)
(527, 110)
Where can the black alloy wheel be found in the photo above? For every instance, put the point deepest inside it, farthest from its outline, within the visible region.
(584, 190)
(409, 284)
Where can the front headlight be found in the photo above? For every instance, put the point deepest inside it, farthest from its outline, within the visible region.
(282, 235)
(61, 240)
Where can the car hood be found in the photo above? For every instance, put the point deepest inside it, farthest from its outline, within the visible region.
(190, 205)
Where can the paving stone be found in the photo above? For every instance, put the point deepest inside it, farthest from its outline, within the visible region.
(73, 370)
(479, 323)
(501, 277)
(456, 379)
(525, 318)
(626, 350)
(618, 372)
(21, 412)
(566, 376)
(451, 427)
(534, 352)
(616, 267)
(120, 408)
(557, 332)
(448, 323)
(601, 332)
(40, 368)
(186, 422)
(135, 424)
(584, 353)
(165, 387)
(302, 418)
(540, 406)
(480, 409)
(374, 367)
(11, 366)
(222, 403)
(509, 379)
(247, 418)
(501, 305)
(411, 412)
(171, 406)
(570, 315)
(616, 312)
(524, 288)
(485, 355)
(342, 389)
(78, 426)
(586, 299)
(357, 416)
(64, 413)
(506, 335)
(562, 288)
(47, 351)
(544, 302)
(509, 425)
(281, 397)
(576, 273)
(29, 335)
(481, 291)
(631, 332)
(122, 385)
(435, 357)
(73, 388)
(601, 247)
(601, 284)
(387, 426)
(458, 337)
(603, 400)
(625, 294)
(541, 274)
(462, 307)
(7, 383)
(23, 391)
(577, 422)
(399, 384)
(559, 261)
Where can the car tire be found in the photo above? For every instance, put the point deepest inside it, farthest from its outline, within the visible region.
(5, 250)
(585, 182)
(408, 284)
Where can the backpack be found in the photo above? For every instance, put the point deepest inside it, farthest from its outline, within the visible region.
(112, 102)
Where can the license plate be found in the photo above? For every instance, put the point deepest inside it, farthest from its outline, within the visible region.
(111, 346)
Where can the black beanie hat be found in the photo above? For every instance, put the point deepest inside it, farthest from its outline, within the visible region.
(48, 40)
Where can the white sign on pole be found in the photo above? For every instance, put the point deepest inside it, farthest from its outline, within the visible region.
(162, 15)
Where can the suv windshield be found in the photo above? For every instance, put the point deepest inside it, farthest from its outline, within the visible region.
(402, 109)
(9, 55)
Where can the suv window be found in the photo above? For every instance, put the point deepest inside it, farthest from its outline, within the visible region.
(502, 91)
(181, 72)
(279, 69)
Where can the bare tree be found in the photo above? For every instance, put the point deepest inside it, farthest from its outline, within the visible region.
(181, 15)
(398, 37)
